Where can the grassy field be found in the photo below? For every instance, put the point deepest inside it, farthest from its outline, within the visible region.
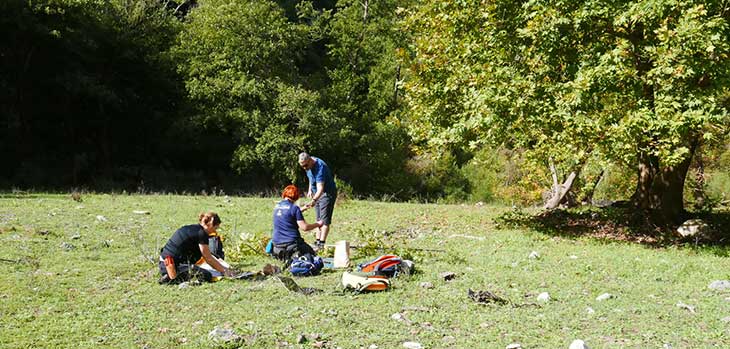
(80, 274)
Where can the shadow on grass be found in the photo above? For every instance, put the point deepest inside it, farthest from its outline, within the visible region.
(623, 224)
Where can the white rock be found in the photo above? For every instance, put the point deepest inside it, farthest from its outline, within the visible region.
(543, 297)
(693, 227)
(140, 212)
(101, 218)
(514, 346)
(604, 297)
(397, 317)
(590, 310)
(534, 255)
(667, 346)
(223, 335)
(373, 346)
(447, 339)
(573, 256)
(725, 319)
(720, 285)
(691, 308)
(426, 285)
(578, 344)
(412, 345)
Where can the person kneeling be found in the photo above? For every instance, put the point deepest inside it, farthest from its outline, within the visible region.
(288, 219)
(185, 254)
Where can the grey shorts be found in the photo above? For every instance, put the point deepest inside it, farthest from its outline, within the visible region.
(324, 207)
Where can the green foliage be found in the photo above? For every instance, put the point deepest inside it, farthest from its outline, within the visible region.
(617, 184)
(501, 175)
(91, 77)
(439, 178)
(567, 80)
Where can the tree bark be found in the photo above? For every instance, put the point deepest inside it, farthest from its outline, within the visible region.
(660, 189)
(559, 191)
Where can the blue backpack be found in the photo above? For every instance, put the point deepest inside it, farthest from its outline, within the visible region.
(306, 265)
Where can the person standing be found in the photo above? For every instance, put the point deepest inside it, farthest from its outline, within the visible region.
(323, 192)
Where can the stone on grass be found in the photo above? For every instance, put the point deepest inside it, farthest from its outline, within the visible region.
(140, 212)
(301, 339)
(514, 346)
(373, 346)
(447, 339)
(66, 246)
(534, 255)
(223, 335)
(590, 310)
(720, 285)
(543, 297)
(604, 297)
(691, 308)
(412, 345)
(578, 344)
(725, 319)
(76, 236)
(101, 218)
(693, 228)
(447, 275)
(573, 256)
(397, 317)
(426, 285)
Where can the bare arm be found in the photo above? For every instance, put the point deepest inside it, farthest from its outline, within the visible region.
(210, 259)
(320, 191)
(303, 225)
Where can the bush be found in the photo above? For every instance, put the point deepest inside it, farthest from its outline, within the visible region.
(502, 175)
(439, 178)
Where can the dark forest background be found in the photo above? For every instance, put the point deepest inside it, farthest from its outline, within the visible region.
(400, 98)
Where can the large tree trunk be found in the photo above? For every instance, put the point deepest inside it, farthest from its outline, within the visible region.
(660, 189)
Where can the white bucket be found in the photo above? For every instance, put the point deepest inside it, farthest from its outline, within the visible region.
(342, 254)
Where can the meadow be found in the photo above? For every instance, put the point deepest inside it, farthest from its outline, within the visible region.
(83, 274)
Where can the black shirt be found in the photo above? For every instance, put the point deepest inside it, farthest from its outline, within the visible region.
(183, 245)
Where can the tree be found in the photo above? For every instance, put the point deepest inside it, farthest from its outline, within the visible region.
(83, 86)
(635, 82)
(239, 62)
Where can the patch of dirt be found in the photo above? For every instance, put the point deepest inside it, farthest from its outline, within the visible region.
(613, 223)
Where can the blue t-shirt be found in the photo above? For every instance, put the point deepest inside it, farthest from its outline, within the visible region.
(320, 173)
(286, 215)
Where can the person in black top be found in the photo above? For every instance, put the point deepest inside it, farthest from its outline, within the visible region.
(188, 247)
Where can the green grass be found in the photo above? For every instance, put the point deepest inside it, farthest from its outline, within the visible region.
(103, 293)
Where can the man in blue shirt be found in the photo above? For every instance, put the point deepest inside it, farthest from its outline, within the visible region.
(323, 191)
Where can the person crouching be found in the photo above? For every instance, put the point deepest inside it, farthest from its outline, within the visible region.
(288, 219)
(188, 248)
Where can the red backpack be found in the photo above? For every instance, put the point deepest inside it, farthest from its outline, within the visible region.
(386, 265)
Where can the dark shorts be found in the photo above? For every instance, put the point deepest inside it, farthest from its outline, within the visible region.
(186, 272)
(296, 248)
(324, 207)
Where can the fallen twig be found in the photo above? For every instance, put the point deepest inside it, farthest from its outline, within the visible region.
(383, 248)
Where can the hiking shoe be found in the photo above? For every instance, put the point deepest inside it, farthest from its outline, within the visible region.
(165, 279)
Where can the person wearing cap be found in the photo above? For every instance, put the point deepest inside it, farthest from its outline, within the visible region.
(288, 219)
(323, 192)
(188, 249)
